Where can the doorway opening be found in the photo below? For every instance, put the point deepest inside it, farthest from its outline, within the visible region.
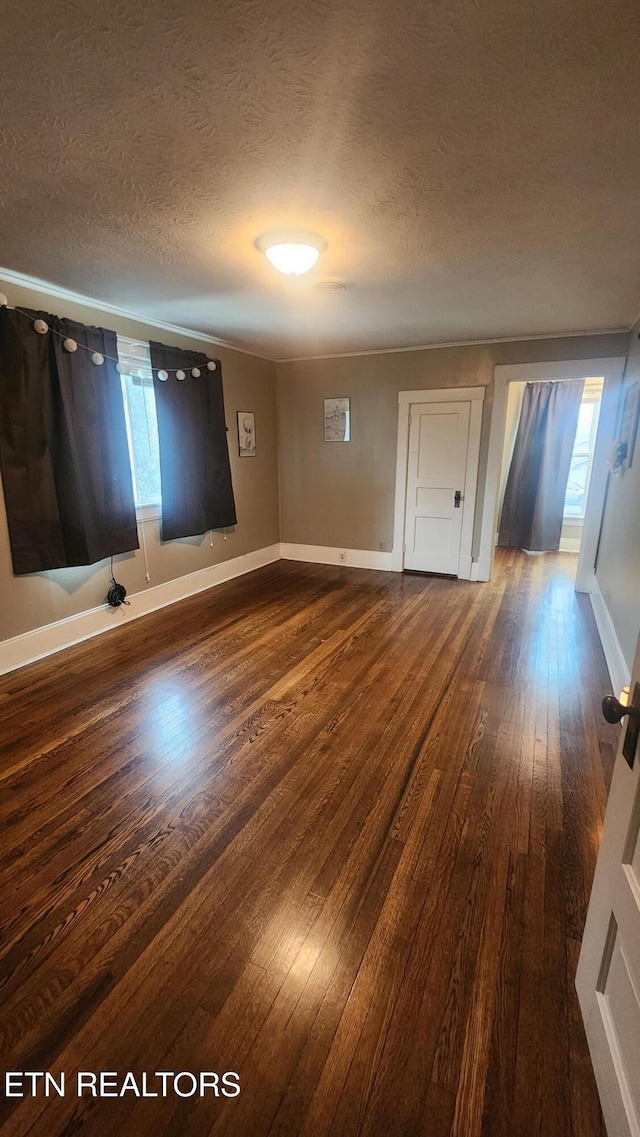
(582, 427)
(611, 369)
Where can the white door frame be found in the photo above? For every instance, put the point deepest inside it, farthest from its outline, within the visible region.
(475, 396)
(612, 370)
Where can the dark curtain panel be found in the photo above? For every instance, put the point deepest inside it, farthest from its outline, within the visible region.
(539, 471)
(197, 494)
(63, 445)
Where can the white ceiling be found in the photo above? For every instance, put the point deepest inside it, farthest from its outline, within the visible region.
(474, 166)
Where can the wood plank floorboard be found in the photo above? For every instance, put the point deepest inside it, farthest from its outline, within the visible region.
(331, 829)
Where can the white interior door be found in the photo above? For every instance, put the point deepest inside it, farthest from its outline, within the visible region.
(608, 978)
(436, 470)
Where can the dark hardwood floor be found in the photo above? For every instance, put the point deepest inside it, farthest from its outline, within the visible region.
(331, 829)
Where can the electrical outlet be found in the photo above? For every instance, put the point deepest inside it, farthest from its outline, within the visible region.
(342, 556)
(381, 545)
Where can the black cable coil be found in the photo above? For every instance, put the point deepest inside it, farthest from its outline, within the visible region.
(117, 592)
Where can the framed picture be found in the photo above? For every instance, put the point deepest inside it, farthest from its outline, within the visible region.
(629, 424)
(337, 420)
(246, 434)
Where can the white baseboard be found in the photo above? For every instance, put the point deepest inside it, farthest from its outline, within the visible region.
(617, 665)
(327, 555)
(45, 641)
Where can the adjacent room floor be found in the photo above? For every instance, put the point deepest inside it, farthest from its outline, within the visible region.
(331, 829)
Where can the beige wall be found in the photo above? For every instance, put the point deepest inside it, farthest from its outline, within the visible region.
(29, 602)
(342, 494)
(618, 564)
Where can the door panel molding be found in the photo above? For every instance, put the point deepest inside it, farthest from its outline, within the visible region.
(474, 396)
(442, 395)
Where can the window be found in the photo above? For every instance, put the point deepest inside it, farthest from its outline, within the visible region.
(582, 456)
(142, 423)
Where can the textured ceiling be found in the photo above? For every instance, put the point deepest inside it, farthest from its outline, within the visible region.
(473, 164)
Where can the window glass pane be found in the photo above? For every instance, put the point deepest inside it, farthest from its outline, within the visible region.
(142, 422)
(575, 498)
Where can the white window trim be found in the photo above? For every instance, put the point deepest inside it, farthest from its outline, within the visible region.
(149, 512)
(571, 518)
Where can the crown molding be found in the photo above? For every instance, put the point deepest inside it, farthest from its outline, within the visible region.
(459, 343)
(47, 288)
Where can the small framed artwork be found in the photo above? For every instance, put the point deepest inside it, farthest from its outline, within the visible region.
(246, 434)
(337, 420)
(629, 425)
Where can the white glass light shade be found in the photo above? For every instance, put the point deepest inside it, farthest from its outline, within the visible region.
(292, 260)
(292, 252)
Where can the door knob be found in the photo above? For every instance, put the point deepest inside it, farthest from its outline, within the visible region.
(457, 498)
(614, 711)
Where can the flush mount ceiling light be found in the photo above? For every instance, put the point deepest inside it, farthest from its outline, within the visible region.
(291, 251)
